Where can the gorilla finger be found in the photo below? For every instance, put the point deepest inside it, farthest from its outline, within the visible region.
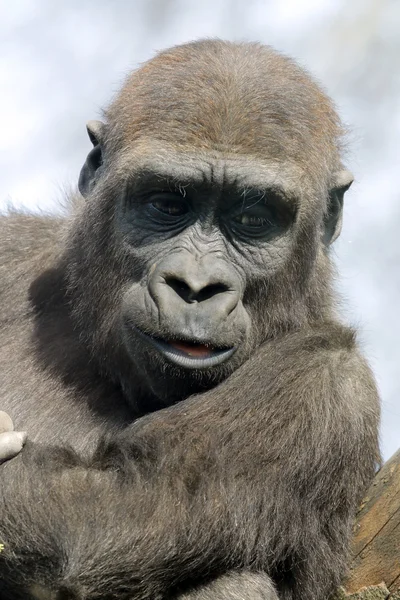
(11, 444)
(6, 423)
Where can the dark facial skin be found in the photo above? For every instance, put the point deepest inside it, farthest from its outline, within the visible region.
(200, 246)
(201, 426)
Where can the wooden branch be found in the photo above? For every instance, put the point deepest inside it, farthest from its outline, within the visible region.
(376, 544)
(376, 592)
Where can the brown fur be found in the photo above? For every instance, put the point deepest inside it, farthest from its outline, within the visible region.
(236, 98)
(251, 481)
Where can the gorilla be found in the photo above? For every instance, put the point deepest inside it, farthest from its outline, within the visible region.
(201, 425)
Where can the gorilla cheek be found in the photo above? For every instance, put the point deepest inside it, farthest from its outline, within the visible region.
(139, 310)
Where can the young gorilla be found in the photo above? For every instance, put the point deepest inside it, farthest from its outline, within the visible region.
(201, 425)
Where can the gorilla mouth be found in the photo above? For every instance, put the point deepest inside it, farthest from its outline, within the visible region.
(192, 355)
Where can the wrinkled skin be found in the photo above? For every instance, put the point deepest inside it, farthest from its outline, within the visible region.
(201, 425)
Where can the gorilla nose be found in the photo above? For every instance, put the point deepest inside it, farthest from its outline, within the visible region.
(215, 299)
(212, 291)
(190, 292)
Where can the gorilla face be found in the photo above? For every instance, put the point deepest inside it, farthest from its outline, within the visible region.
(209, 253)
(203, 248)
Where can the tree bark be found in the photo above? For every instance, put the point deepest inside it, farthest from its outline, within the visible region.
(375, 565)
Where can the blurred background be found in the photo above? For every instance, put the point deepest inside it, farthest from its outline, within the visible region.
(61, 62)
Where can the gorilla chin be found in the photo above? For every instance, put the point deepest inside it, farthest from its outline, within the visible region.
(188, 354)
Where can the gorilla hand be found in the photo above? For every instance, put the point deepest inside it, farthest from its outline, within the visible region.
(11, 442)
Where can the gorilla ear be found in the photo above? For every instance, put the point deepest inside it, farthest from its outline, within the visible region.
(333, 217)
(87, 177)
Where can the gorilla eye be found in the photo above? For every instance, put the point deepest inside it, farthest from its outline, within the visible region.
(253, 220)
(169, 205)
(261, 215)
(257, 221)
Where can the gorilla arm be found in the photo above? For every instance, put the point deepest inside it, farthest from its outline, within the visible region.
(262, 473)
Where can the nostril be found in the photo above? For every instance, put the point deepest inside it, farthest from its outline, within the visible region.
(180, 288)
(210, 291)
(184, 291)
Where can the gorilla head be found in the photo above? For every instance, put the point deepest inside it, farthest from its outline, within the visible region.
(212, 192)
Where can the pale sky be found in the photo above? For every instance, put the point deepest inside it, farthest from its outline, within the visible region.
(61, 62)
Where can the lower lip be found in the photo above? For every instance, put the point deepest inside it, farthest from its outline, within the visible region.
(183, 359)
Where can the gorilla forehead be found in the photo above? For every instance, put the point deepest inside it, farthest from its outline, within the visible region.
(244, 98)
(208, 166)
